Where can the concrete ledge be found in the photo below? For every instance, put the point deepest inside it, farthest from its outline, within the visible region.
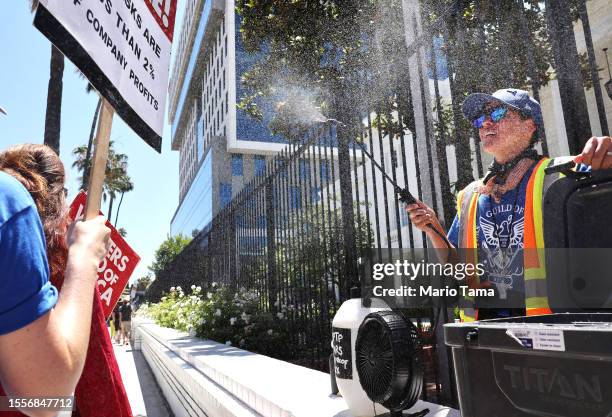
(205, 378)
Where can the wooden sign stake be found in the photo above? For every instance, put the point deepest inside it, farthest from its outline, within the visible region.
(100, 156)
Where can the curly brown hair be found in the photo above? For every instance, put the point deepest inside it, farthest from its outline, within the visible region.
(39, 169)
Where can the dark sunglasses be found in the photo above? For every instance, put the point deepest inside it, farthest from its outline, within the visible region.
(495, 114)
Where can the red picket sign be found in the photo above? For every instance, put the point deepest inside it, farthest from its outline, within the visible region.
(117, 266)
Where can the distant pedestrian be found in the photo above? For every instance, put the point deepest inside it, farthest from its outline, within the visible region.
(117, 323)
(126, 322)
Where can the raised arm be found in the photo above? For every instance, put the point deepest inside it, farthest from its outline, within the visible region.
(46, 357)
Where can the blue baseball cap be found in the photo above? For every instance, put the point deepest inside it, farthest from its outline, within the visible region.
(514, 98)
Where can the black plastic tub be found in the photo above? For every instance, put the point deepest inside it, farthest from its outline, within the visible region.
(555, 365)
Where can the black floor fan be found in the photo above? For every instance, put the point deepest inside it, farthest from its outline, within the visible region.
(389, 362)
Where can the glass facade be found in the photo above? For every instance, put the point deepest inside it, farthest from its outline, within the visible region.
(261, 222)
(247, 128)
(324, 168)
(315, 194)
(191, 66)
(260, 166)
(200, 138)
(237, 166)
(295, 194)
(204, 96)
(195, 211)
(304, 169)
(225, 194)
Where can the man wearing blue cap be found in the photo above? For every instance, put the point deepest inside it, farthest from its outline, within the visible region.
(500, 212)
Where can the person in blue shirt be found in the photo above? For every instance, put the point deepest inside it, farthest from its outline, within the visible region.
(508, 122)
(43, 335)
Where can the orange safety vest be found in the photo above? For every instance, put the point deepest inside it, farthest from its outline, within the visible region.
(536, 294)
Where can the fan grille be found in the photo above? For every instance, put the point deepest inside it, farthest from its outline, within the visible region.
(387, 355)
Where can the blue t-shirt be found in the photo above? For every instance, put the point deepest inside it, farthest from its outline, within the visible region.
(501, 225)
(25, 291)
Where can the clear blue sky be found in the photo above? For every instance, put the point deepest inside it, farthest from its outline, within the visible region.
(24, 74)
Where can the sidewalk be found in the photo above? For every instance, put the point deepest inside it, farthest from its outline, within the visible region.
(144, 395)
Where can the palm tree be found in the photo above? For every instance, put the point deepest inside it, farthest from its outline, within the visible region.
(116, 179)
(125, 187)
(54, 95)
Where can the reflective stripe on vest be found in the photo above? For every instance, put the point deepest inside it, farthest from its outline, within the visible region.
(536, 294)
(467, 203)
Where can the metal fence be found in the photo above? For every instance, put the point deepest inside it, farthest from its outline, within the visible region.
(296, 232)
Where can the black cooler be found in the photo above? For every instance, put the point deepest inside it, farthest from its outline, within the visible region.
(555, 365)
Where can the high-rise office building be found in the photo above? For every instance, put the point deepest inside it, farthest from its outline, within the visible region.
(221, 147)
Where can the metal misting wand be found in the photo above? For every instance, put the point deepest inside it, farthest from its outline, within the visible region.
(608, 84)
(405, 196)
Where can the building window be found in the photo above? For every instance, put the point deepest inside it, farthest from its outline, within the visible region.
(304, 169)
(324, 170)
(296, 197)
(282, 173)
(315, 195)
(261, 221)
(260, 166)
(240, 220)
(225, 194)
(236, 165)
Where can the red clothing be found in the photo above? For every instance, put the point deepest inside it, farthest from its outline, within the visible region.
(100, 391)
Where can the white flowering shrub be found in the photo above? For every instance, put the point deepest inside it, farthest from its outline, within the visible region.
(235, 318)
(244, 324)
(177, 310)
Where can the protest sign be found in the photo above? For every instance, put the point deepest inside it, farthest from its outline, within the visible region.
(117, 266)
(123, 48)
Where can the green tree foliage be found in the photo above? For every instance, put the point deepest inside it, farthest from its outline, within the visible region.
(494, 41)
(322, 55)
(344, 59)
(143, 282)
(167, 251)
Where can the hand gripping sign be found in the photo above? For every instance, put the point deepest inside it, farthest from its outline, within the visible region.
(117, 266)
